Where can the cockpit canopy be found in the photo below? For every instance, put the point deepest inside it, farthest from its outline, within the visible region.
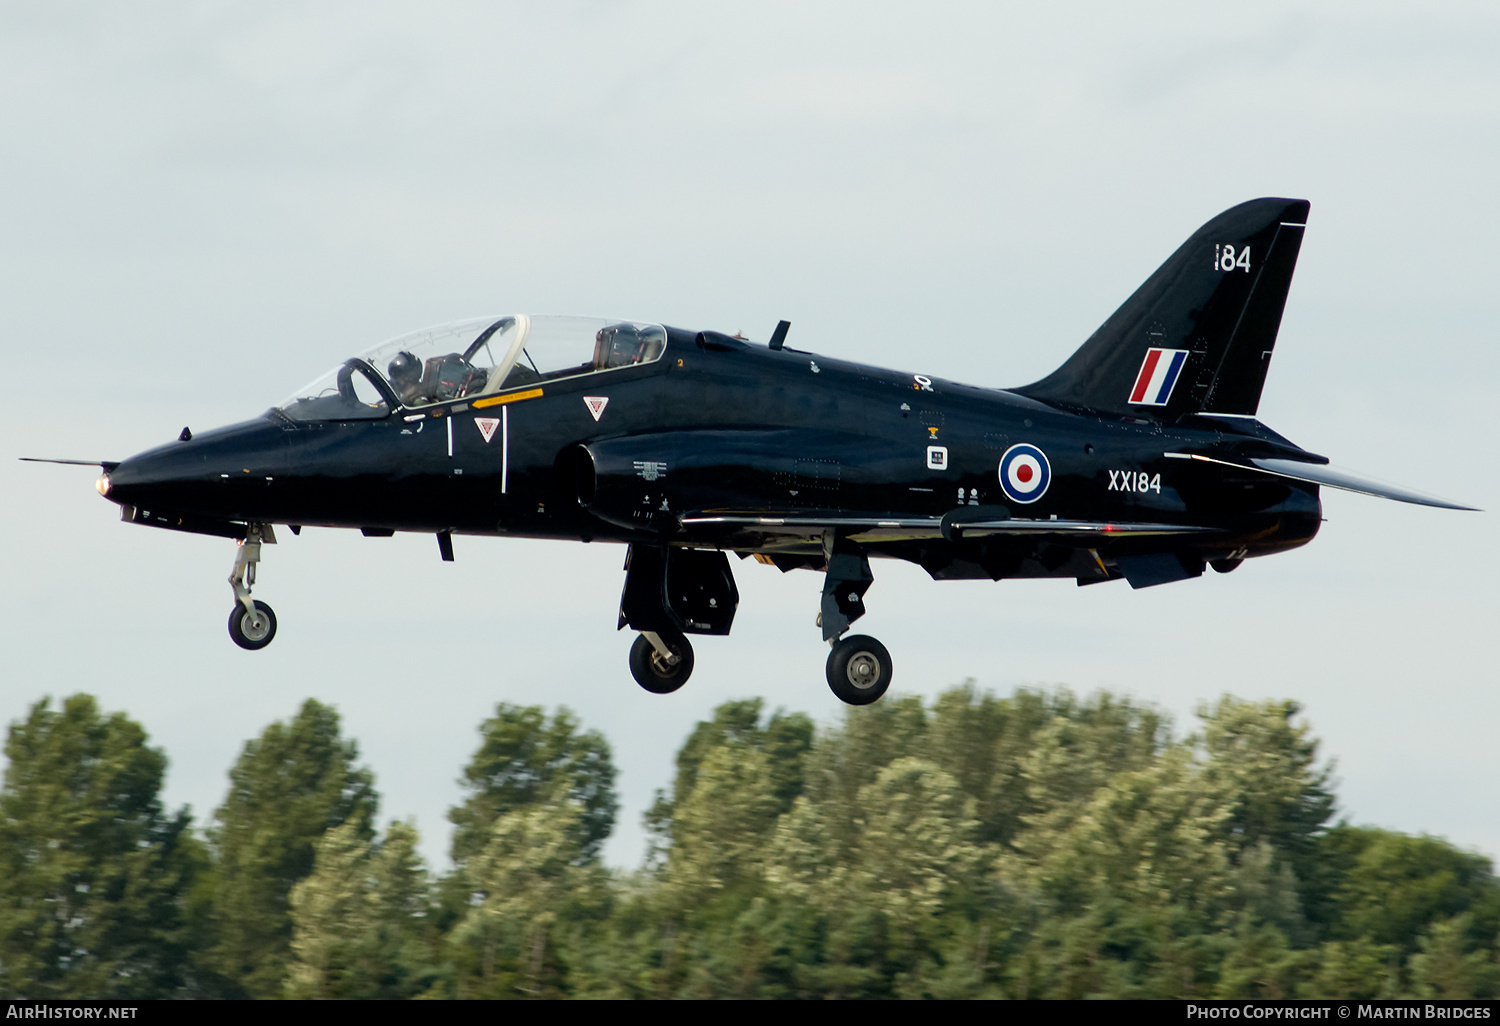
(468, 359)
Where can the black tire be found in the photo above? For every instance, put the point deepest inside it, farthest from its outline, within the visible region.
(859, 669)
(250, 632)
(650, 673)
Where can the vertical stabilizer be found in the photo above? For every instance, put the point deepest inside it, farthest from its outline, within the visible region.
(1198, 335)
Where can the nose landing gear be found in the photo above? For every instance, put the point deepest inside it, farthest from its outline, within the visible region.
(252, 628)
(252, 624)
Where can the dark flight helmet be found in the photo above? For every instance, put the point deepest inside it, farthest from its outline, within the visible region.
(404, 370)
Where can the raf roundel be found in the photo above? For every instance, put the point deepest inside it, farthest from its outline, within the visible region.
(1024, 473)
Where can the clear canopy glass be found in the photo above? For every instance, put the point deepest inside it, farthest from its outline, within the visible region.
(468, 359)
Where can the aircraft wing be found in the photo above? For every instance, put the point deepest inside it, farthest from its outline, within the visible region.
(803, 525)
(1323, 474)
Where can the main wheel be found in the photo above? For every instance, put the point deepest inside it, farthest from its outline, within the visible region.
(652, 672)
(859, 669)
(252, 631)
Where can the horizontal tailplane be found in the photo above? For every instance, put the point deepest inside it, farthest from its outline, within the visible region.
(1323, 474)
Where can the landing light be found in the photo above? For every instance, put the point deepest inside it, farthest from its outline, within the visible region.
(102, 485)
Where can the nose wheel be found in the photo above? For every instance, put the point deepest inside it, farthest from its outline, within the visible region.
(859, 669)
(660, 662)
(252, 628)
(252, 625)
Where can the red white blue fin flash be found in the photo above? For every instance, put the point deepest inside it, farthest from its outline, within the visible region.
(1159, 372)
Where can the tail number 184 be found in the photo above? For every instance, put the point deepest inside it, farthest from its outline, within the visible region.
(1227, 258)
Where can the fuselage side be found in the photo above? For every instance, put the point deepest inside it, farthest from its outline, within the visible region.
(732, 428)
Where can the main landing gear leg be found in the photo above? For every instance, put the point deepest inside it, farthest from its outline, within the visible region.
(859, 667)
(670, 593)
(252, 624)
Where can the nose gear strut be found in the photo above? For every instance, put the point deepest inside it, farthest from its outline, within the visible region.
(252, 624)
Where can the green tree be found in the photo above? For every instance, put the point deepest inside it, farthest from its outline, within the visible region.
(327, 907)
(401, 939)
(531, 882)
(894, 878)
(717, 934)
(784, 740)
(362, 921)
(94, 875)
(1448, 966)
(910, 855)
(1127, 886)
(1079, 749)
(288, 788)
(721, 827)
(871, 737)
(1390, 888)
(1259, 963)
(1350, 969)
(981, 740)
(1263, 766)
(524, 759)
(1036, 845)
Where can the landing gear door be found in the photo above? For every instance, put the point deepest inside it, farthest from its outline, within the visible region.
(687, 590)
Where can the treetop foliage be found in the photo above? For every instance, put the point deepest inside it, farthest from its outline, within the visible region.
(289, 787)
(94, 875)
(525, 759)
(1036, 845)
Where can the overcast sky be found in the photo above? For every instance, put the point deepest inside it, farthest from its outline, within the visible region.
(203, 206)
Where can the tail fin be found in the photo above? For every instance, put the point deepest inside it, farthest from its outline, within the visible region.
(1197, 336)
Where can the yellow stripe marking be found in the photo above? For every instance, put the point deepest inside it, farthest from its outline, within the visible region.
(500, 400)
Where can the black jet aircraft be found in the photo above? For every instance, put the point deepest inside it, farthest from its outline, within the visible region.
(1140, 458)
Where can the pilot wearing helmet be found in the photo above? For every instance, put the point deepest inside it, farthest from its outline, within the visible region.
(405, 374)
(441, 378)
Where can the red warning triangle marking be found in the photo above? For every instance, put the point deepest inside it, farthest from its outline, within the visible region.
(596, 404)
(487, 426)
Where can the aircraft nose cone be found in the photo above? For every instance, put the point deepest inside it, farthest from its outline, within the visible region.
(157, 478)
(224, 473)
(138, 477)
